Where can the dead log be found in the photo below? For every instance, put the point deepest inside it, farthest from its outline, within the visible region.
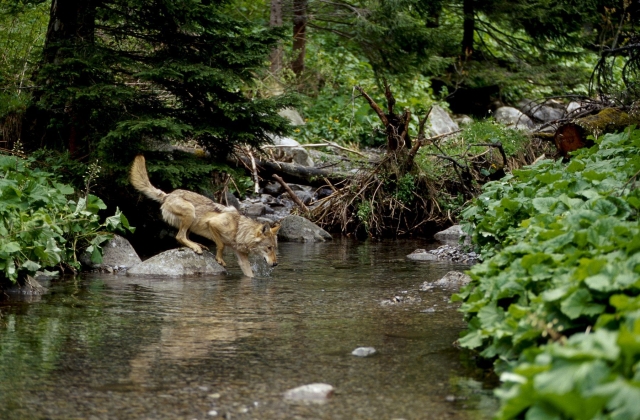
(574, 135)
(297, 174)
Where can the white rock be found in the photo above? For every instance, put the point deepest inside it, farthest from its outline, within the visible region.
(574, 108)
(364, 351)
(317, 392)
(441, 122)
(512, 117)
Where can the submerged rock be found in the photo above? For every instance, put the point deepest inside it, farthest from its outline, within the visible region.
(298, 229)
(453, 253)
(451, 280)
(422, 255)
(364, 351)
(317, 392)
(178, 262)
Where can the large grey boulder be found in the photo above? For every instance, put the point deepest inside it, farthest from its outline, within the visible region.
(117, 254)
(178, 262)
(298, 229)
(513, 118)
(441, 122)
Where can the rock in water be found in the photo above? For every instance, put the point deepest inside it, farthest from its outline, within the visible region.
(116, 254)
(451, 280)
(178, 262)
(452, 234)
(364, 351)
(311, 393)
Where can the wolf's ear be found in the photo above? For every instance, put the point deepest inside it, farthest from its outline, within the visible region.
(265, 229)
(275, 228)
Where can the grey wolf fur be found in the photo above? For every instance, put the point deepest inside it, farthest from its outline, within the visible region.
(191, 212)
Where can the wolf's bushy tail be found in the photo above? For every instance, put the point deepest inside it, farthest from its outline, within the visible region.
(140, 180)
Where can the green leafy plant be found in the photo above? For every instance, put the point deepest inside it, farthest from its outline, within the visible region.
(41, 227)
(561, 250)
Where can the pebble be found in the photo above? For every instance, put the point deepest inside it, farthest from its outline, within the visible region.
(317, 392)
(452, 253)
(364, 351)
(212, 413)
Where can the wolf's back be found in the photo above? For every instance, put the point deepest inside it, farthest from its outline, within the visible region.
(140, 180)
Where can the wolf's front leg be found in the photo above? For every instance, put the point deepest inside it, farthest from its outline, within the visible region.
(245, 265)
(219, 259)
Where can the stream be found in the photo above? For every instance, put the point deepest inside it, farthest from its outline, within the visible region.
(103, 346)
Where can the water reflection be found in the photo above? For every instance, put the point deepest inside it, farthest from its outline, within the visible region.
(106, 346)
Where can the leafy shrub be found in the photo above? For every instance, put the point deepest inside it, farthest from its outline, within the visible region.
(561, 250)
(40, 227)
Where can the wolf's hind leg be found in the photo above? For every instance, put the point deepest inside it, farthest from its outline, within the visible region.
(219, 244)
(185, 212)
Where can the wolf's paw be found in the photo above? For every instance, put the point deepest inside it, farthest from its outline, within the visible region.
(201, 247)
(221, 262)
(197, 249)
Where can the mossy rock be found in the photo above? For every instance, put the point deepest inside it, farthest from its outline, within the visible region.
(607, 120)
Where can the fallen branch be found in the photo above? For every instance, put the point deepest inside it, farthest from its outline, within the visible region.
(292, 195)
(327, 144)
(296, 173)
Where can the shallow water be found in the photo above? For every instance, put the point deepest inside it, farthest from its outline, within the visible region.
(105, 346)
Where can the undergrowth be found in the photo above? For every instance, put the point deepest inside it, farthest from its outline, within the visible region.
(556, 300)
(45, 224)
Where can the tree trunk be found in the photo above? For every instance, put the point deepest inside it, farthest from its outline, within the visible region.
(276, 20)
(71, 25)
(299, 35)
(469, 27)
(70, 22)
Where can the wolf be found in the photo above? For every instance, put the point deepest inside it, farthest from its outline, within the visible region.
(191, 212)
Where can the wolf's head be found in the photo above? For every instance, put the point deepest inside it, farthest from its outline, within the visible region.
(266, 243)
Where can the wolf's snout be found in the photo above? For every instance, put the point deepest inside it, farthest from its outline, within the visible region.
(274, 264)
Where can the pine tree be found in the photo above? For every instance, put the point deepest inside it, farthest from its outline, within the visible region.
(115, 74)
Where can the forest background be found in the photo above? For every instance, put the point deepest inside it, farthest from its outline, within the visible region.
(87, 85)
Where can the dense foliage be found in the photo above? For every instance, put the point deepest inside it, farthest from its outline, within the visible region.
(43, 224)
(561, 270)
(118, 77)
